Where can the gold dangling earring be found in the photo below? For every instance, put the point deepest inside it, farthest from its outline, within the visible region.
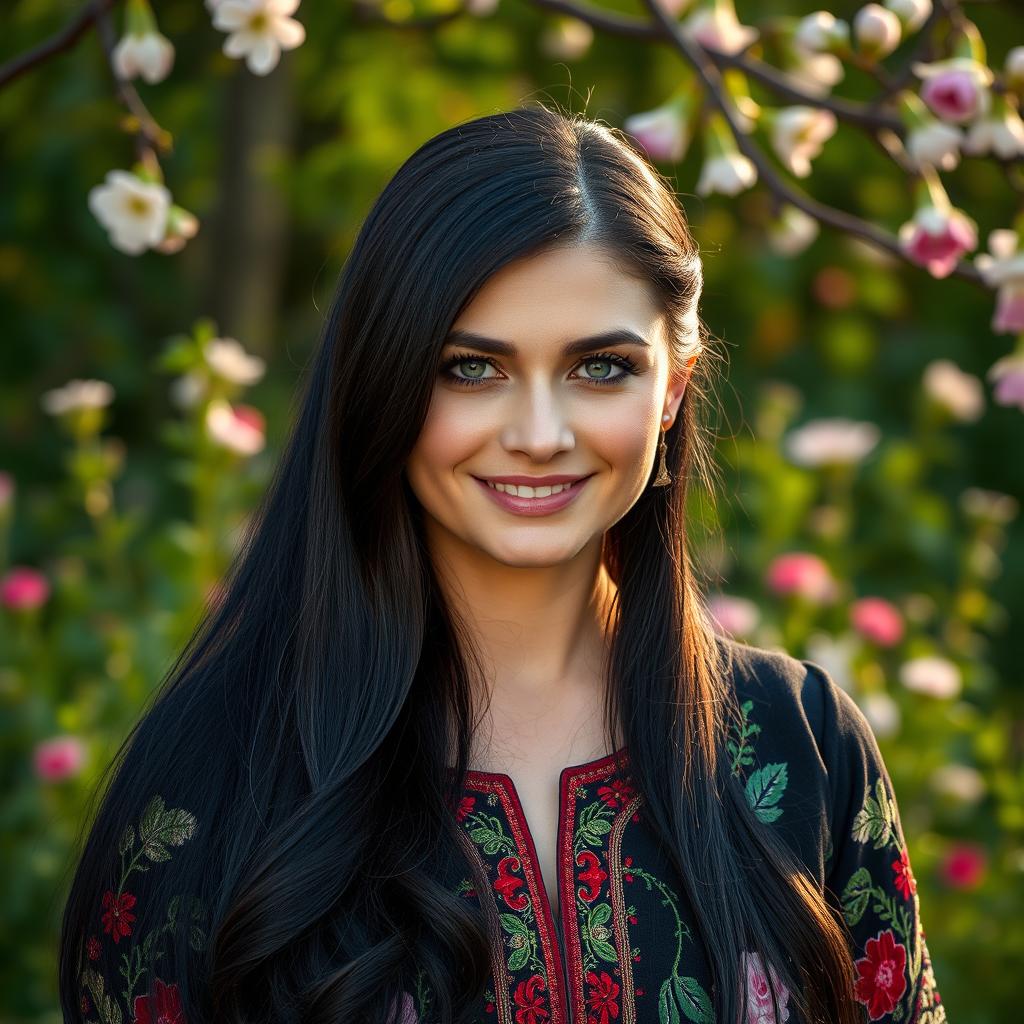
(663, 478)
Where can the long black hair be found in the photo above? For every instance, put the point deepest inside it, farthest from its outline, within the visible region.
(331, 672)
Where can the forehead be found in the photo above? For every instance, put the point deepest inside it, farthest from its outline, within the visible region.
(559, 294)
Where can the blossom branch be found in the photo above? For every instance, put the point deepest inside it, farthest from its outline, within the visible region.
(150, 138)
(59, 42)
(696, 55)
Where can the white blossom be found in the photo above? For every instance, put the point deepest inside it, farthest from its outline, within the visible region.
(716, 27)
(793, 231)
(935, 144)
(962, 394)
(259, 30)
(133, 211)
(76, 395)
(882, 712)
(821, 31)
(798, 134)
(877, 30)
(1000, 130)
(728, 173)
(150, 55)
(832, 441)
(912, 13)
(959, 781)
(227, 359)
(931, 675)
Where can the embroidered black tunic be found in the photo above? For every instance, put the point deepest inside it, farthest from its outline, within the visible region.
(626, 949)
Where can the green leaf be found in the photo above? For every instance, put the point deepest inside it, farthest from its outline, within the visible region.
(764, 789)
(856, 895)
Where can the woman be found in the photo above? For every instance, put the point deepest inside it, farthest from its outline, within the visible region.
(451, 750)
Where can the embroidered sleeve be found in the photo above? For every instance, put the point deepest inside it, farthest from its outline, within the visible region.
(121, 980)
(868, 872)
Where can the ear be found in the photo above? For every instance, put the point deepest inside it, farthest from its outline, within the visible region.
(677, 388)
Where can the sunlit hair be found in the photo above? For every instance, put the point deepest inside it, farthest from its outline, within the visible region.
(309, 721)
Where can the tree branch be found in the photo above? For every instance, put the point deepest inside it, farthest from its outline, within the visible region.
(63, 40)
(839, 219)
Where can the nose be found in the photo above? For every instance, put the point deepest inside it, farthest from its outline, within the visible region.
(538, 426)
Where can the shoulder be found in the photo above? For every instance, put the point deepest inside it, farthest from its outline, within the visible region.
(796, 695)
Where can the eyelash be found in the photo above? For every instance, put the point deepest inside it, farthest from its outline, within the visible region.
(625, 362)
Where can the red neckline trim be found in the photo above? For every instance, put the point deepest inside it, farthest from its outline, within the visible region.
(607, 760)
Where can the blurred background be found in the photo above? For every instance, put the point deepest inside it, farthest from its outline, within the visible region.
(865, 513)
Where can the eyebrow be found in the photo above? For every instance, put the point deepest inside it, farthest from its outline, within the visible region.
(494, 346)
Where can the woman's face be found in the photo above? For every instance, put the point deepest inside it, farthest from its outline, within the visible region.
(516, 403)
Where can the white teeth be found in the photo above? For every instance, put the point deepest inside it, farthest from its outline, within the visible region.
(522, 491)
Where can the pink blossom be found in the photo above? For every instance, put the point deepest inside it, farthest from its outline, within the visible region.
(936, 239)
(759, 992)
(963, 866)
(239, 427)
(1007, 376)
(803, 574)
(24, 588)
(58, 758)
(877, 620)
(956, 89)
(738, 616)
(1009, 314)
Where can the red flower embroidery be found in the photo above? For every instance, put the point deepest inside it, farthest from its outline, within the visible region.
(507, 884)
(880, 975)
(83, 1005)
(905, 880)
(465, 807)
(117, 919)
(93, 947)
(602, 998)
(592, 876)
(529, 1002)
(164, 1007)
(616, 793)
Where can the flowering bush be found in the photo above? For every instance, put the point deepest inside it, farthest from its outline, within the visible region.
(866, 518)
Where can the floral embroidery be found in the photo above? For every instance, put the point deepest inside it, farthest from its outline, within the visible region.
(622, 904)
(882, 981)
(759, 992)
(880, 975)
(163, 1008)
(159, 828)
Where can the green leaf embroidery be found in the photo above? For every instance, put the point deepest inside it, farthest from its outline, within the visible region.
(489, 835)
(683, 997)
(764, 789)
(876, 820)
(856, 896)
(160, 828)
(742, 753)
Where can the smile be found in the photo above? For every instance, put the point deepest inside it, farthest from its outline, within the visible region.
(523, 500)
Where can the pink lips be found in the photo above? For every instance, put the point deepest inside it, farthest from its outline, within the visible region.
(533, 506)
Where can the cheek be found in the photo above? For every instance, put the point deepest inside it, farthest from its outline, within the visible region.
(623, 438)
(450, 435)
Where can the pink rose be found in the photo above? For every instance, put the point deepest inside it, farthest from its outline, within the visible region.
(801, 573)
(58, 758)
(24, 588)
(877, 620)
(964, 865)
(759, 992)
